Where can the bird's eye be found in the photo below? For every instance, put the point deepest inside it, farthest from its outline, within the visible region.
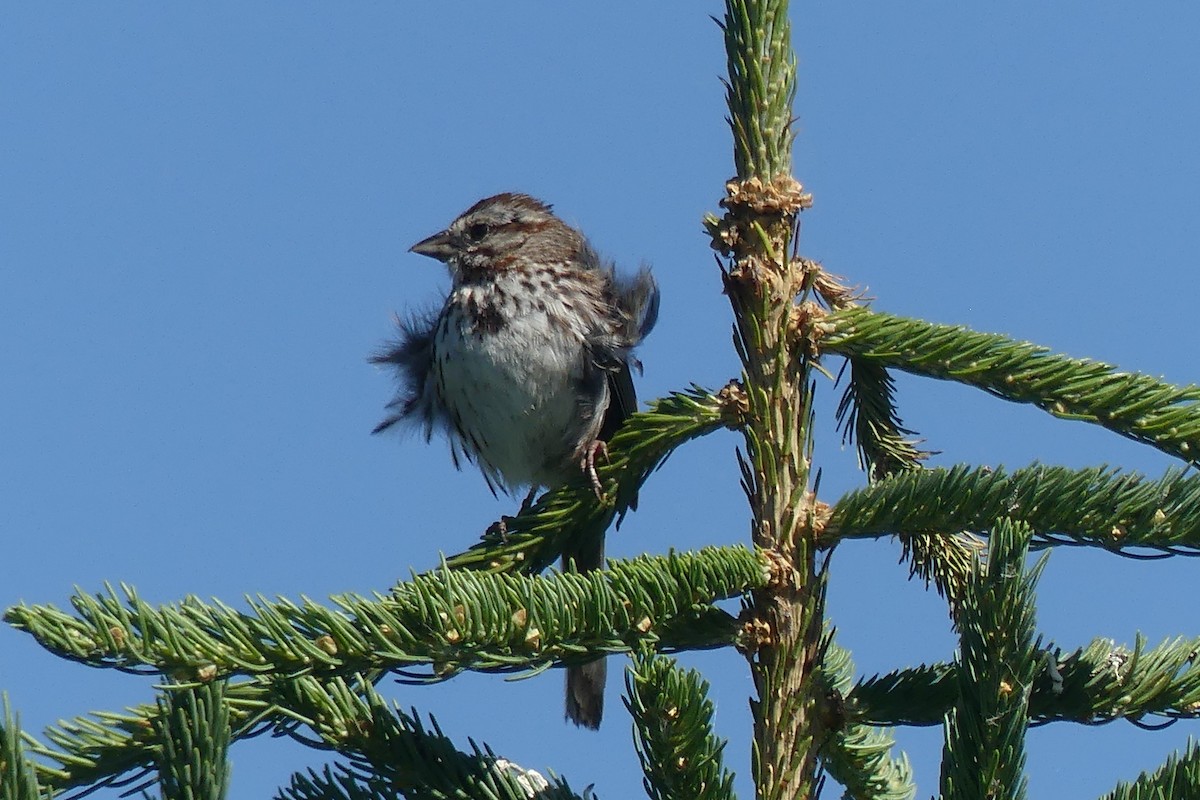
(477, 231)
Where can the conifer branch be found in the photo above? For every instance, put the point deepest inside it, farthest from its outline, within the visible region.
(856, 755)
(532, 540)
(334, 782)
(338, 782)
(390, 748)
(445, 621)
(943, 561)
(916, 696)
(1106, 681)
(1137, 406)
(681, 756)
(868, 418)
(18, 774)
(1096, 506)
(1179, 777)
(102, 749)
(117, 749)
(193, 727)
(761, 86)
(1093, 685)
(984, 754)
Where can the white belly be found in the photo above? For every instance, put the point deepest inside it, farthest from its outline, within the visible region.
(514, 394)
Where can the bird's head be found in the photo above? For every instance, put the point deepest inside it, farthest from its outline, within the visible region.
(499, 232)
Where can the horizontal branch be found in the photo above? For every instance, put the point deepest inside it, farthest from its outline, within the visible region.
(660, 600)
(444, 622)
(120, 748)
(532, 540)
(393, 750)
(1138, 406)
(1097, 506)
(1093, 685)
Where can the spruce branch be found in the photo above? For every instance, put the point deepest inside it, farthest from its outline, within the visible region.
(1096, 506)
(1137, 406)
(119, 748)
(334, 782)
(867, 413)
(102, 749)
(193, 727)
(916, 696)
(446, 621)
(856, 755)
(868, 417)
(984, 754)
(532, 540)
(339, 782)
(761, 86)
(109, 747)
(1179, 777)
(681, 756)
(1106, 681)
(1092, 685)
(18, 774)
(943, 561)
(394, 751)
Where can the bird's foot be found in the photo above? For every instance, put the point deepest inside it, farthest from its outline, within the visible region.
(499, 528)
(588, 464)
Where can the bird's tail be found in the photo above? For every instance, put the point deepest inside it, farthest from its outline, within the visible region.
(585, 684)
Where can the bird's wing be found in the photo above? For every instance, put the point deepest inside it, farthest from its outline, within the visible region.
(622, 401)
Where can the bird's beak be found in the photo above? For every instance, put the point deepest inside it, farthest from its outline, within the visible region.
(436, 246)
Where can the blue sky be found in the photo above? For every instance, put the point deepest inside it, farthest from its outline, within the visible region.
(204, 218)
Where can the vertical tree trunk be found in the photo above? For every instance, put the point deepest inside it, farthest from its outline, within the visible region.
(764, 280)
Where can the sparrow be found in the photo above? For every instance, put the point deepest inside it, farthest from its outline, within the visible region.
(527, 366)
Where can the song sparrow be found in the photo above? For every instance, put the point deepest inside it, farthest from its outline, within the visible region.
(526, 367)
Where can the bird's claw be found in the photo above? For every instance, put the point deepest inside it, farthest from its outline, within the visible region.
(499, 528)
(588, 464)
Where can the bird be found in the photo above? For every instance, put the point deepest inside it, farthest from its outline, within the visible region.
(527, 366)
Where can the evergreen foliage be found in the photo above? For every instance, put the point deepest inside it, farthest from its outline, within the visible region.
(309, 670)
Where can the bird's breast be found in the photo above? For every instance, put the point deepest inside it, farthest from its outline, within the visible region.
(509, 366)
